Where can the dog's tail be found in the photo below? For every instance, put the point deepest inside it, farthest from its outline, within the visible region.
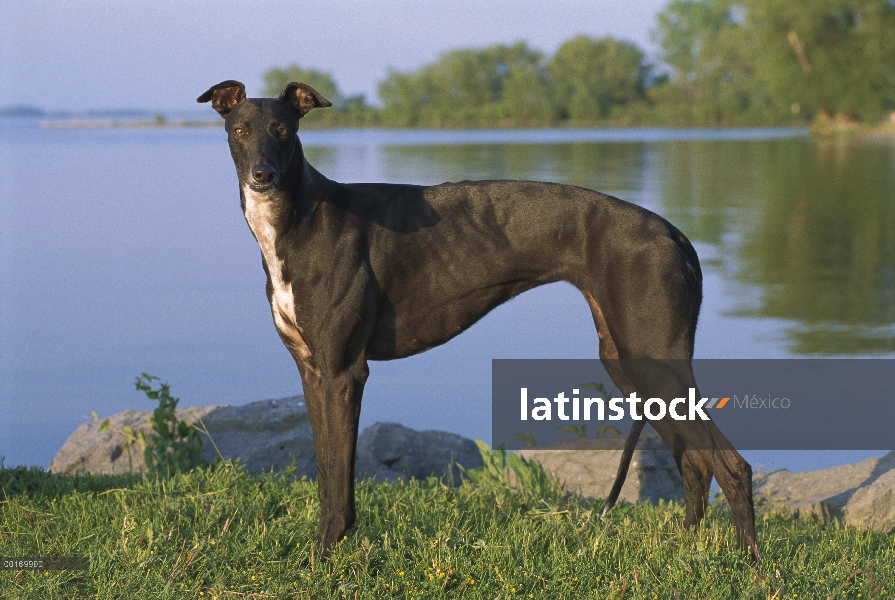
(623, 465)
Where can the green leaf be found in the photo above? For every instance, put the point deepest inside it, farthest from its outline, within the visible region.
(528, 438)
(595, 385)
(105, 425)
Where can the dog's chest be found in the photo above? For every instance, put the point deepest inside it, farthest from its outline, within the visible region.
(259, 215)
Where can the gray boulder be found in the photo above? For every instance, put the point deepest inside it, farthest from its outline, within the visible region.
(264, 435)
(271, 433)
(861, 494)
(388, 451)
(267, 435)
(585, 467)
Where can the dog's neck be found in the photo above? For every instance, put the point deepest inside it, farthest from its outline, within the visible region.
(298, 194)
(270, 216)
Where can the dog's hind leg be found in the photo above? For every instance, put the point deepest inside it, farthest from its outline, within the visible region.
(699, 447)
(657, 325)
(694, 471)
(697, 483)
(706, 450)
(697, 475)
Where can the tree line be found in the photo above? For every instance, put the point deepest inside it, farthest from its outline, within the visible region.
(720, 62)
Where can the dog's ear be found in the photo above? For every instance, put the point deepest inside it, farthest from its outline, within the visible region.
(224, 96)
(302, 98)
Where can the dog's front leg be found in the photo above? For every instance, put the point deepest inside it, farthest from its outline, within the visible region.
(335, 455)
(315, 396)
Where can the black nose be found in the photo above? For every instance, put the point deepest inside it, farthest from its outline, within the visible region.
(263, 174)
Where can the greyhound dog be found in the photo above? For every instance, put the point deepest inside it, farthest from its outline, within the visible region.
(372, 271)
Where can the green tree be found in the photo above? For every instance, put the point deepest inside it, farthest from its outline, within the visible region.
(471, 86)
(772, 60)
(709, 47)
(593, 76)
(827, 57)
(276, 78)
(684, 33)
(527, 95)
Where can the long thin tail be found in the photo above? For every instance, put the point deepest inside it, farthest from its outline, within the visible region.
(623, 465)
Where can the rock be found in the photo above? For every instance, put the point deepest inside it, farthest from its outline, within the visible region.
(388, 451)
(873, 505)
(90, 450)
(583, 468)
(267, 435)
(861, 494)
(262, 434)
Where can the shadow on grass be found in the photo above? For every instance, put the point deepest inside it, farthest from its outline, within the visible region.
(35, 482)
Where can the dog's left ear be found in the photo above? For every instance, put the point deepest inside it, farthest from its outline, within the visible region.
(302, 98)
(224, 96)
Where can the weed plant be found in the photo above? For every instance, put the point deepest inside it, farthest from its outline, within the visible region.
(172, 445)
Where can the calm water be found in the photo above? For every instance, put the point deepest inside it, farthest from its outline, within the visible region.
(124, 251)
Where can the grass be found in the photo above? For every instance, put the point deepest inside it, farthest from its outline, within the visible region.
(223, 533)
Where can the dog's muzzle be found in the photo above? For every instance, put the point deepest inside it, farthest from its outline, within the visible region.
(263, 177)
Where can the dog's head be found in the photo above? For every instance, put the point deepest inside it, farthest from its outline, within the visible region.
(262, 131)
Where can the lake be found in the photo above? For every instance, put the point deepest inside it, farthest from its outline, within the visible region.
(125, 250)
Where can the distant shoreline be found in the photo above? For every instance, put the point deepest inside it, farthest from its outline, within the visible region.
(882, 130)
(129, 123)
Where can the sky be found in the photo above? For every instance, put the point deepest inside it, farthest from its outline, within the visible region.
(76, 55)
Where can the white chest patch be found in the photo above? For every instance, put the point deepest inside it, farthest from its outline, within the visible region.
(282, 304)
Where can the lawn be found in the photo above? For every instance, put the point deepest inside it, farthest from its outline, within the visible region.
(223, 533)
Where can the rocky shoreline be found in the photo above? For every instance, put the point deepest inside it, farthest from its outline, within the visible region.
(274, 434)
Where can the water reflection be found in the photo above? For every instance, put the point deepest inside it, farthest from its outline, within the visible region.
(806, 227)
(811, 223)
(616, 166)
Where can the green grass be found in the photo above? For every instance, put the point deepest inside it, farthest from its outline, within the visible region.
(222, 533)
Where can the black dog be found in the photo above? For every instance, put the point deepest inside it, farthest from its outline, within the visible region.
(370, 271)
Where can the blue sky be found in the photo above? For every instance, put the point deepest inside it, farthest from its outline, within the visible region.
(160, 55)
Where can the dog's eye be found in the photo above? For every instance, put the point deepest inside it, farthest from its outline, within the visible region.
(282, 131)
(240, 131)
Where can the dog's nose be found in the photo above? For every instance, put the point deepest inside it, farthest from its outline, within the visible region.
(263, 174)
